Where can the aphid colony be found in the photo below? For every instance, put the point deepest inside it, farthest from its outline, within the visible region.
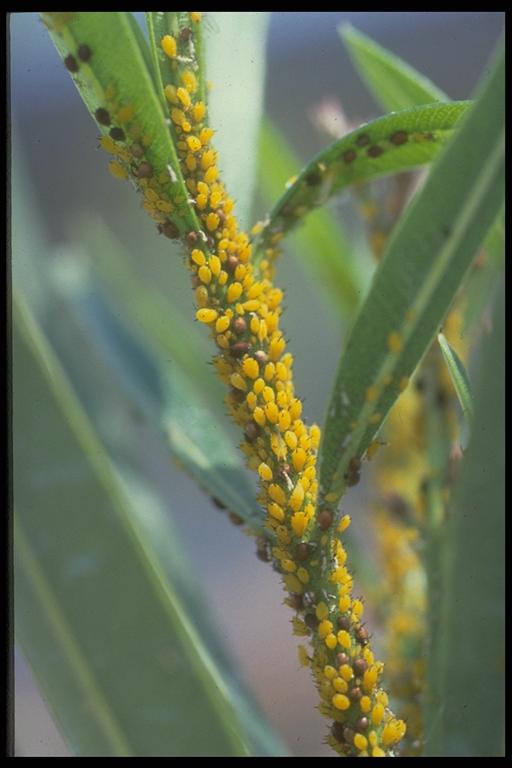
(242, 308)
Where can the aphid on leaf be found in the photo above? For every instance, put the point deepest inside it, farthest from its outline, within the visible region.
(353, 473)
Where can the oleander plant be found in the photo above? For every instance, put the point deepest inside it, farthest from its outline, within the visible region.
(400, 629)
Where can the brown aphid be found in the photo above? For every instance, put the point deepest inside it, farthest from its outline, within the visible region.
(359, 666)
(343, 623)
(195, 281)
(71, 63)
(170, 230)
(353, 473)
(192, 238)
(102, 116)
(137, 149)
(261, 356)
(239, 349)
(185, 35)
(362, 635)
(232, 263)
(342, 658)
(348, 734)
(251, 431)
(363, 140)
(262, 550)
(235, 519)
(324, 519)
(399, 137)
(84, 52)
(117, 134)
(311, 620)
(355, 693)
(217, 503)
(313, 178)
(295, 601)
(362, 724)
(222, 216)
(236, 395)
(349, 156)
(303, 551)
(239, 326)
(375, 151)
(144, 171)
(337, 730)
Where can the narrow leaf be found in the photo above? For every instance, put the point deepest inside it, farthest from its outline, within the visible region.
(415, 283)
(118, 89)
(320, 244)
(458, 375)
(388, 145)
(100, 620)
(235, 62)
(468, 720)
(394, 84)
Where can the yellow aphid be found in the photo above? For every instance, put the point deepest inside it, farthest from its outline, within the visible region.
(198, 111)
(276, 349)
(205, 135)
(201, 295)
(191, 162)
(193, 143)
(324, 628)
(250, 367)
(117, 170)
(251, 400)
(202, 201)
(394, 342)
(204, 274)
(344, 523)
(211, 174)
(329, 672)
(206, 315)
(377, 714)
(360, 741)
(171, 95)
(291, 439)
(344, 639)
(340, 685)
(304, 659)
(275, 511)
(315, 435)
(238, 382)
(198, 257)
(378, 752)
(357, 609)
(299, 459)
(297, 497)
(125, 114)
(292, 583)
(259, 416)
(169, 46)
(346, 672)
(322, 611)
(222, 324)
(196, 16)
(340, 701)
(215, 265)
(258, 386)
(372, 449)
(184, 97)
(299, 522)
(284, 421)
(177, 116)
(272, 412)
(372, 393)
(189, 80)
(268, 394)
(303, 575)
(207, 159)
(365, 704)
(212, 221)
(299, 628)
(234, 292)
(277, 494)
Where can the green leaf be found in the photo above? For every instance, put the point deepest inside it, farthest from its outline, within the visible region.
(235, 62)
(116, 77)
(468, 718)
(161, 23)
(394, 84)
(388, 145)
(320, 244)
(458, 375)
(174, 394)
(103, 597)
(424, 264)
(485, 275)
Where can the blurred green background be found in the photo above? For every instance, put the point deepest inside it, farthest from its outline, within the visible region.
(58, 171)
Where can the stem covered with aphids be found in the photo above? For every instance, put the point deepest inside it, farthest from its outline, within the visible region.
(242, 308)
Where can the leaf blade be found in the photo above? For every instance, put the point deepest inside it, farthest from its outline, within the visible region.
(458, 375)
(412, 290)
(394, 84)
